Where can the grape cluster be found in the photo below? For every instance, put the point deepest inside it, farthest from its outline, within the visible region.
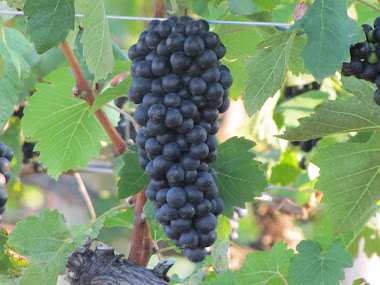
(293, 91)
(365, 63)
(234, 222)
(181, 88)
(6, 156)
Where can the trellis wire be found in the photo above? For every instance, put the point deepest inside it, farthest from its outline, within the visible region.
(110, 17)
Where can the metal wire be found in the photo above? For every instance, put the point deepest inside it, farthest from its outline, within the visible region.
(20, 13)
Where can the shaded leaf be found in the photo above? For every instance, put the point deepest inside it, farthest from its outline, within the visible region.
(262, 267)
(361, 89)
(287, 170)
(49, 22)
(123, 219)
(200, 7)
(239, 176)
(267, 70)
(224, 278)
(310, 267)
(132, 177)
(327, 46)
(349, 179)
(242, 7)
(96, 39)
(267, 4)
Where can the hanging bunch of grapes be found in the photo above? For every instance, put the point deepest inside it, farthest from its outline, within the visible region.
(181, 88)
(6, 156)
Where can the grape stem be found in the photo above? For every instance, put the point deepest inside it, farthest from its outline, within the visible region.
(373, 6)
(93, 223)
(84, 192)
(84, 87)
(165, 249)
(125, 114)
(141, 243)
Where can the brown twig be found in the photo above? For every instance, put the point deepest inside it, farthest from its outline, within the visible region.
(159, 8)
(84, 87)
(84, 192)
(141, 243)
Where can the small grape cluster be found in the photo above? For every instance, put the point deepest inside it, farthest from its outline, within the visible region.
(365, 63)
(293, 91)
(6, 156)
(306, 146)
(234, 222)
(181, 88)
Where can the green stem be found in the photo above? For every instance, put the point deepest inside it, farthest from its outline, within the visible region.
(120, 207)
(165, 249)
(175, 7)
(373, 6)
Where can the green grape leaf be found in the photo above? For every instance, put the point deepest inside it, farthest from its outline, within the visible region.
(6, 265)
(13, 45)
(44, 238)
(224, 278)
(16, 3)
(110, 93)
(287, 170)
(239, 176)
(220, 248)
(123, 219)
(96, 39)
(310, 267)
(12, 138)
(335, 117)
(200, 7)
(3, 66)
(69, 135)
(371, 242)
(296, 63)
(349, 179)
(361, 89)
(240, 47)
(242, 7)
(5, 280)
(267, 4)
(300, 106)
(267, 70)
(91, 233)
(262, 267)
(132, 177)
(327, 46)
(49, 22)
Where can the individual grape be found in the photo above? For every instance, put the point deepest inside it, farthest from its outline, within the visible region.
(220, 51)
(183, 143)
(214, 128)
(203, 167)
(199, 101)
(211, 40)
(132, 52)
(206, 223)
(150, 193)
(185, 81)
(3, 196)
(212, 172)
(135, 62)
(214, 91)
(161, 196)
(160, 66)
(165, 28)
(171, 151)
(188, 163)
(162, 49)
(176, 197)
(211, 75)
(186, 126)
(211, 192)
(212, 156)
(215, 104)
(179, 28)
(144, 69)
(161, 164)
(172, 100)
(369, 72)
(196, 255)
(140, 86)
(207, 59)
(166, 138)
(173, 118)
(188, 109)
(225, 79)
(5, 165)
(197, 86)
(197, 135)
(203, 208)
(156, 86)
(142, 48)
(172, 83)
(189, 239)
(157, 113)
(184, 93)
(195, 28)
(152, 24)
(199, 151)
(175, 174)
(152, 39)
(181, 225)
(194, 70)
(156, 129)
(172, 234)
(204, 181)
(194, 46)
(190, 176)
(224, 107)
(168, 213)
(211, 142)
(180, 61)
(143, 162)
(175, 42)
(210, 115)
(206, 240)
(193, 194)
(152, 173)
(187, 211)
(153, 147)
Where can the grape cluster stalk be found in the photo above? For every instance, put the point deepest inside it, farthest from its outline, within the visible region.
(181, 87)
(6, 156)
(365, 63)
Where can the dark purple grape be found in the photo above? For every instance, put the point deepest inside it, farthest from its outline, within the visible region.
(206, 240)
(176, 197)
(197, 86)
(175, 42)
(194, 46)
(206, 223)
(189, 239)
(196, 255)
(193, 194)
(211, 40)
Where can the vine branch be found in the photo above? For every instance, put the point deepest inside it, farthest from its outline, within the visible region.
(373, 6)
(84, 87)
(141, 243)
